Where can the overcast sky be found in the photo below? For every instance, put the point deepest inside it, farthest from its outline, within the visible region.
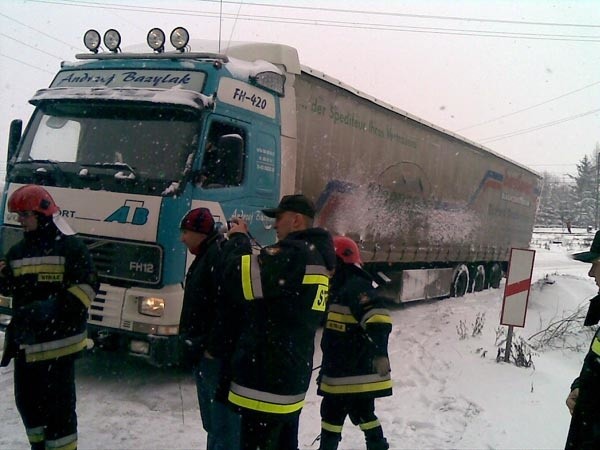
(521, 77)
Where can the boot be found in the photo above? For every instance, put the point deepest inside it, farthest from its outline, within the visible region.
(329, 440)
(378, 444)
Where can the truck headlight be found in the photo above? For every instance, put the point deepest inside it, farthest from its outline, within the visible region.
(151, 306)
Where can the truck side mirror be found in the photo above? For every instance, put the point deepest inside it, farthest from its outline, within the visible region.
(14, 137)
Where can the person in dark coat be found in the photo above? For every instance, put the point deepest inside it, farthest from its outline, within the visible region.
(584, 399)
(51, 279)
(283, 290)
(201, 302)
(355, 369)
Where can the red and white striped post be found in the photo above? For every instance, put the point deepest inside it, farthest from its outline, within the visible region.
(516, 292)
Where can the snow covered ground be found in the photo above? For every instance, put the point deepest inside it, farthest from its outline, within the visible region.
(449, 393)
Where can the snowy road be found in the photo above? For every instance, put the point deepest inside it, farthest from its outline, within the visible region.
(449, 393)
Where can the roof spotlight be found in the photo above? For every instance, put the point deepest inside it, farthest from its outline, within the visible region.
(180, 38)
(91, 39)
(112, 40)
(156, 40)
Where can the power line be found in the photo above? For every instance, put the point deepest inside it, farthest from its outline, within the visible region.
(38, 31)
(333, 23)
(26, 63)
(529, 107)
(536, 127)
(418, 16)
(30, 46)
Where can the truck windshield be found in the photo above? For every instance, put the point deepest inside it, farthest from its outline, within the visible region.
(149, 143)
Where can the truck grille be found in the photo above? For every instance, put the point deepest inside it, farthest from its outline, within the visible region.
(106, 308)
(136, 262)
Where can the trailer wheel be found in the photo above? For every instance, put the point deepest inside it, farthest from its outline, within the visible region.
(460, 281)
(478, 279)
(495, 275)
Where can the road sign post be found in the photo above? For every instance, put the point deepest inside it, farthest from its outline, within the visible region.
(516, 293)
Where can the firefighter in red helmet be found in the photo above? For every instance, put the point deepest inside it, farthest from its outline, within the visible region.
(51, 279)
(355, 368)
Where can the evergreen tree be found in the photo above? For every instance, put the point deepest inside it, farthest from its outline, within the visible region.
(554, 209)
(574, 201)
(584, 193)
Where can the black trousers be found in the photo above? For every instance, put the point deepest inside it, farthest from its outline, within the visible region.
(361, 411)
(260, 433)
(334, 409)
(45, 398)
(584, 431)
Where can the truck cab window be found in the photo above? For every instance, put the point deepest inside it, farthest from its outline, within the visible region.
(224, 157)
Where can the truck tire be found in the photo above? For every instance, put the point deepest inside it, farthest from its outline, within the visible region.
(478, 276)
(495, 275)
(460, 281)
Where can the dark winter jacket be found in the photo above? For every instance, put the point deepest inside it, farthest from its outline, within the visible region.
(584, 432)
(356, 331)
(283, 291)
(52, 282)
(200, 298)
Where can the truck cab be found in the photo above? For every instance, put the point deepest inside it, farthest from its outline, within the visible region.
(127, 143)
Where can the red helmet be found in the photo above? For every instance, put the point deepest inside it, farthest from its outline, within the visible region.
(32, 198)
(347, 250)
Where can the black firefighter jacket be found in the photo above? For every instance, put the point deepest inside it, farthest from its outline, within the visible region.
(284, 293)
(356, 331)
(584, 432)
(52, 282)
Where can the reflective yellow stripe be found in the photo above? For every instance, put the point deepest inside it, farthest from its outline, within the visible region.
(332, 428)
(257, 405)
(32, 355)
(379, 318)
(596, 346)
(316, 279)
(84, 293)
(247, 278)
(42, 268)
(369, 425)
(356, 388)
(320, 301)
(64, 443)
(35, 435)
(342, 318)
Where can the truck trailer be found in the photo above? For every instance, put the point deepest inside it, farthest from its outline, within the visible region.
(127, 142)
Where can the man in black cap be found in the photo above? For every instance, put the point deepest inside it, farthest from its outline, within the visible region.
(283, 293)
(584, 400)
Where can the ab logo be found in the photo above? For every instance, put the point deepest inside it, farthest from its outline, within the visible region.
(132, 212)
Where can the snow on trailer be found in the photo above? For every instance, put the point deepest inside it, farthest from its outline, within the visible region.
(433, 212)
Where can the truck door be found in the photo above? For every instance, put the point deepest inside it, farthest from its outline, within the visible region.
(238, 168)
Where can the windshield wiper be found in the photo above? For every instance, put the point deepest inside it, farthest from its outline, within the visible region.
(119, 167)
(42, 170)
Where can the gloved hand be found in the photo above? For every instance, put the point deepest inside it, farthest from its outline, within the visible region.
(381, 365)
(572, 399)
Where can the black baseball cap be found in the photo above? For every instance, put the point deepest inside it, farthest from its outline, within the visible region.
(593, 254)
(295, 203)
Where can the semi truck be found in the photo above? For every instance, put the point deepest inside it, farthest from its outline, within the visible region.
(128, 141)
